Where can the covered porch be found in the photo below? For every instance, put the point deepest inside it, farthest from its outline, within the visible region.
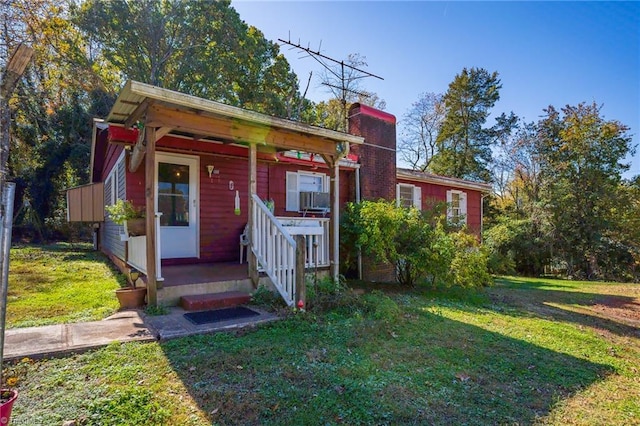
(273, 246)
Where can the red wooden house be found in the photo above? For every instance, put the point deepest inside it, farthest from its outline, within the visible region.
(217, 181)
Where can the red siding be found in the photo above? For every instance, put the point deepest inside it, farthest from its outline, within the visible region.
(113, 152)
(220, 228)
(438, 193)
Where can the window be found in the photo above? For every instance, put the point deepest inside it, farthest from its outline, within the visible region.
(298, 182)
(457, 207)
(114, 185)
(409, 195)
(173, 194)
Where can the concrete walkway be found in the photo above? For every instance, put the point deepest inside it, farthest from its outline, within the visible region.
(60, 339)
(125, 326)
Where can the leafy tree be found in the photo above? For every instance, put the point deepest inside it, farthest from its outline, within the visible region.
(581, 157)
(52, 111)
(198, 47)
(464, 145)
(422, 124)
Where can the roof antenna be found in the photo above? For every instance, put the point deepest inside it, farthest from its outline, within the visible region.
(344, 79)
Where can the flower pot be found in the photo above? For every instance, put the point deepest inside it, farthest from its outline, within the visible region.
(136, 227)
(131, 298)
(6, 406)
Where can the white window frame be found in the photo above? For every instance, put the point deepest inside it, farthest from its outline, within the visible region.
(114, 177)
(292, 188)
(415, 190)
(461, 217)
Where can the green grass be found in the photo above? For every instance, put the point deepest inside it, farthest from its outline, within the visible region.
(59, 283)
(523, 352)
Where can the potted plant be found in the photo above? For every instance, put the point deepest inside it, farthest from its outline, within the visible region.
(124, 213)
(131, 297)
(7, 398)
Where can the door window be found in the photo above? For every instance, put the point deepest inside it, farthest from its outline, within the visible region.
(173, 194)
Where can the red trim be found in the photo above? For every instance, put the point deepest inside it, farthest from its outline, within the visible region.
(120, 134)
(372, 112)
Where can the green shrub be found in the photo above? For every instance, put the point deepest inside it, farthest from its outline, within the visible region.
(326, 294)
(469, 264)
(380, 307)
(416, 243)
(267, 299)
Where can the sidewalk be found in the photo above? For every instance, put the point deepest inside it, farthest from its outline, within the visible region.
(125, 326)
(60, 339)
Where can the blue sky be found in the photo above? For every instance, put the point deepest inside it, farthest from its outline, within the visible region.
(547, 53)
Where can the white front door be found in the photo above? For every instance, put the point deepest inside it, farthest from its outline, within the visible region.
(177, 200)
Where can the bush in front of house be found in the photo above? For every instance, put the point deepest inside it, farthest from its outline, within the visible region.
(419, 247)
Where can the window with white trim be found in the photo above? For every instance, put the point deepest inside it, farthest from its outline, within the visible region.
(457, 207)
(114, 185)
(301, 181)
(408, 195)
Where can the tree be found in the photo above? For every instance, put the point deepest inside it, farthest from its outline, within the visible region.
(52, 109)
(343, 82)
(581, 157)
(198, 47)
(422, 124)
(464, 145)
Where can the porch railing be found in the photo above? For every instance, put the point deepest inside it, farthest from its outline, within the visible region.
(137, 251)
(275, 250)
(316, 235)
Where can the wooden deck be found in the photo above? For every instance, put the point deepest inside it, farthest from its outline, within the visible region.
(176, 275)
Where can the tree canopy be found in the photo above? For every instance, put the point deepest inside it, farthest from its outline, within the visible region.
(198, 47)
(464, 145)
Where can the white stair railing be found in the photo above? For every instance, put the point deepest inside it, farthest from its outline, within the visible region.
(274, 249)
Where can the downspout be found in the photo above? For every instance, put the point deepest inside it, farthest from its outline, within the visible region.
(358, 202)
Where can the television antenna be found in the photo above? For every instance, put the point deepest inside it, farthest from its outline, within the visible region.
(344, 79)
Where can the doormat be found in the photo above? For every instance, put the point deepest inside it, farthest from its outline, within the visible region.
(217, 315)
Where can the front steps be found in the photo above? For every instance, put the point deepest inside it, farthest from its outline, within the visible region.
(226, 299)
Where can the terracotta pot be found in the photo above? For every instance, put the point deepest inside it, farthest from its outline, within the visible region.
(131, 298)
(5, 408)
(137, 227)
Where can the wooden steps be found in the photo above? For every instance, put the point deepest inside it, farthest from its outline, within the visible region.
(226, 299)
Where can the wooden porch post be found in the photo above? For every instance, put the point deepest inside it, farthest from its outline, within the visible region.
(335, 219)
(301, 285)
(150, 214)
(253, 167)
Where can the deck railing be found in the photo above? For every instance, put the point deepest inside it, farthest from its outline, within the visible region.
(275, 250)
(137, 251)
(316, 235)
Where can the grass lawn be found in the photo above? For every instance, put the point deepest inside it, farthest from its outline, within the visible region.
(526, 351)
(59, 283)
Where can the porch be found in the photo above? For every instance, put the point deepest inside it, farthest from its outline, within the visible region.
(202, 278)
(206, 278)
(151, 122)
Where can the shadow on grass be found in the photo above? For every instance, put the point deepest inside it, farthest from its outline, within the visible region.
(542, 299)
(423, 369)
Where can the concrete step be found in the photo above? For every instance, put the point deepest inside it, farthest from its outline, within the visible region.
(226, 299)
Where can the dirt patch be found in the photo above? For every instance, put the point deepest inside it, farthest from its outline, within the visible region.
(623, 309)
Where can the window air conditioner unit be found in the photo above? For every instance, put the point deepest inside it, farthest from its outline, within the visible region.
(314, 201)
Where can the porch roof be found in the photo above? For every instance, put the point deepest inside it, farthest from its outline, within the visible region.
(202, 119)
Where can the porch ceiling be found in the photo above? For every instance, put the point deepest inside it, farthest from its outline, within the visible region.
(202, 118)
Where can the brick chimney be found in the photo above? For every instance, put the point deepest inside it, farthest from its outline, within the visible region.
(377, 157)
